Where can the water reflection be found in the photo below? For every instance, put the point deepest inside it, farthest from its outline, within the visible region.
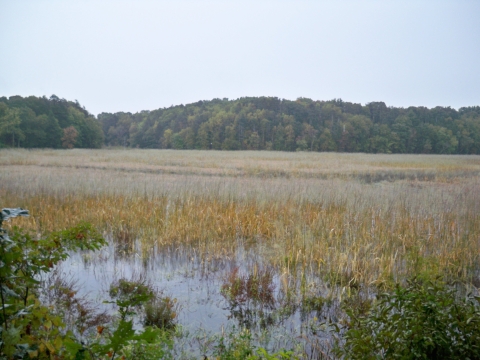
(204, 286)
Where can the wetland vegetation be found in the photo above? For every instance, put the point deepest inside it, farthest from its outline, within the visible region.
(249, 254)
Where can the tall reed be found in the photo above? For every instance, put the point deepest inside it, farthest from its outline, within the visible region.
(348, 230)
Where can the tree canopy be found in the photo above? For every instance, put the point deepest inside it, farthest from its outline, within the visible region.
(270, 123)
(249, 123)
(38, 122)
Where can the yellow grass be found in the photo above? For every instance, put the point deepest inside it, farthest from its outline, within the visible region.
(348, 218)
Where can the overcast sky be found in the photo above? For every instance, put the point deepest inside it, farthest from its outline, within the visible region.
(142, 55)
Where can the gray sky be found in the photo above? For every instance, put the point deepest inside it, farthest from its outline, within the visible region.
(137, 55)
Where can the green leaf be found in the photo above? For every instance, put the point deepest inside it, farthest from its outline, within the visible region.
(72, 347)
(150, 335)
(122, 335)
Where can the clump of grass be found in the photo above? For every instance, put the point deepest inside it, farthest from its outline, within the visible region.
(255, 287)
(240, 344)
(313, 303)
(250, 296)
(132, 290)
(124, 238)
(161, 312)
(235, 345)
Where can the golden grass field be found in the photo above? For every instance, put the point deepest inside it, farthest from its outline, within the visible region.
(347, 218)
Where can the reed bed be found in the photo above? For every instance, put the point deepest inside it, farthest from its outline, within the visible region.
(349, 219)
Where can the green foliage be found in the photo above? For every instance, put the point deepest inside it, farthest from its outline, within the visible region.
(255, 123)
(239, 345)
(161, 312)
(27, 326)
(125, 343)
(235, 346)
(10, 126)
(313, 303)
(153, 344)
(34, 122)
(130, 294)
(30, 329)
(424, 320)
(268, 123)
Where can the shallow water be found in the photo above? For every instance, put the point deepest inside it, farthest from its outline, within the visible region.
(195, 282)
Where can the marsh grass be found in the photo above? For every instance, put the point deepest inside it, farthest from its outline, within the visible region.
(161, 312)
(288, 235)
(259, 286)
(155, 308)
(251, 295)
(350, 219)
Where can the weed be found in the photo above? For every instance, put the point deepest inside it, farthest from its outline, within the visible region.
(424, 320)
(250, 296)
(124, 239)
(161, 312)
(313, 303)
(256, 287)
(239, 344)
(79, 313)
(135, 291)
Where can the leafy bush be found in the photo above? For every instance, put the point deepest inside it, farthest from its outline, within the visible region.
(239, 345)
(132, 293)
(28, 327)
(424, 320)
(31, 329)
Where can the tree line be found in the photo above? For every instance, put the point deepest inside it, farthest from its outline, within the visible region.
(250, 123)
(40, 122)
(269, 123)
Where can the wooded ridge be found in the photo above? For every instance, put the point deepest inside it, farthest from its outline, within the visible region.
(250, 123)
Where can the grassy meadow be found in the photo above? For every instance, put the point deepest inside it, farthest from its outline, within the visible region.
(329, 221)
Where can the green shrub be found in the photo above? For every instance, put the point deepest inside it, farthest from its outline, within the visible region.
(423, 320)
(238, 345)
(28, 328)
(133, 292)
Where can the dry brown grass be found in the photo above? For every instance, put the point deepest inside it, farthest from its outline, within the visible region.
(245, 163)
(348, 218)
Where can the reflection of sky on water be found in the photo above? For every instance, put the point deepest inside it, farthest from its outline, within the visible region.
(195, 281)
(177, 273)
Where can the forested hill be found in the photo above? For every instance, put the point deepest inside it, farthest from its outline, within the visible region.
(40, 122)
(256, 123)
(259, 123)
